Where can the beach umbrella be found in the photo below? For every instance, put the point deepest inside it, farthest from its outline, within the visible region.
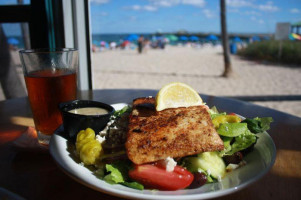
(211, 38)
(183, 38)
(294, 36)
(159, 38)
(236, 39)
(193, 38)
(255, 38)
(172, 38)
(131, 37)
(125, 43)
(13, 41)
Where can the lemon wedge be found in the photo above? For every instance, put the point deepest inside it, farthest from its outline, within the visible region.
(177, 94)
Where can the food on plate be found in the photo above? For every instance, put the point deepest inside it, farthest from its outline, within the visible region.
(87, 147)
(155, 176)
(175, 132)
(170, 142)
(175, 95)
(89, 111)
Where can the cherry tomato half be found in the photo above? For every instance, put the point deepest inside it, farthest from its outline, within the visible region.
(155, 177)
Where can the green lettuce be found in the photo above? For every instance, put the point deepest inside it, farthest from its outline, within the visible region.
(242, 142)
(258, 125)
(118, 174)
(125, 109)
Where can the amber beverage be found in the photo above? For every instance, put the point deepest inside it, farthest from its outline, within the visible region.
(46, 89)
(50, 76)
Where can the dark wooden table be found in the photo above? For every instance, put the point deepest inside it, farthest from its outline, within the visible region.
(33, 174)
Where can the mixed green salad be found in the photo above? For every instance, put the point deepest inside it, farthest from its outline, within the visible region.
(106, 156)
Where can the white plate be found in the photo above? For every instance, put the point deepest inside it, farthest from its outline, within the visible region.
(259, 162)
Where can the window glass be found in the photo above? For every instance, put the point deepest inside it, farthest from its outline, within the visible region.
(13, 37)
(182, 42)
(13, 2)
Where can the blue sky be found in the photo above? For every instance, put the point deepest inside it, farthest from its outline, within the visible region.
(143, 16)
(149, 16)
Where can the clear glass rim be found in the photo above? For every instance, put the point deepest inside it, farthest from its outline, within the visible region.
(47, 50)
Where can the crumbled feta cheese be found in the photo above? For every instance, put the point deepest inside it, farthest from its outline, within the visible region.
(219, 178)
(81, 164)
(231, 167)
(150, 96)
(170, 164)
(100, 139)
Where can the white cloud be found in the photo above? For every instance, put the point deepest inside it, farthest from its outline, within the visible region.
(253, 13)
(155, 4)
(135, 7)
(170, 3)
(208, 13)
(139, 8)
(295, 10)
(150, 8)
(132, 18)
(239, 3)
(260, 21)
(103, 14)
(268, 7)
(164, 3)
(197, 3)
(233, 10)
(99, 1)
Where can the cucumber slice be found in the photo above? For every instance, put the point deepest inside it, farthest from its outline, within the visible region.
(213, 164)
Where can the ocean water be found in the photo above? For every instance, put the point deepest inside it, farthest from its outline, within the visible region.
(118, 38)
(97, 38)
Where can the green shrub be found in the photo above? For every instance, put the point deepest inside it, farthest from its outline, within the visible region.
(269, 51)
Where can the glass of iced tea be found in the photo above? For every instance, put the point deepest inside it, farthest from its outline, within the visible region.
(50, 76)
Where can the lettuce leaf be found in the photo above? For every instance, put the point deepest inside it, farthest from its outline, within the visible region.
(125, 109)
(118, 174)
(134, 185)
(242, 142)
(258, 125)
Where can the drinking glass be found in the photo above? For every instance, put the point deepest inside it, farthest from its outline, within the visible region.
(51, 78)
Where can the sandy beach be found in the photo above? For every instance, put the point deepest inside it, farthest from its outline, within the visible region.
(199, 67)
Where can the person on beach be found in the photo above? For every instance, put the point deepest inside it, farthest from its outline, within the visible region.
(140, 44)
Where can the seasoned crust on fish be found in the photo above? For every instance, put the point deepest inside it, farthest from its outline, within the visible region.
(174, 132)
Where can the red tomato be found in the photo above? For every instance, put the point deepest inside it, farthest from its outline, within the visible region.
(232, 114)
(156, 177)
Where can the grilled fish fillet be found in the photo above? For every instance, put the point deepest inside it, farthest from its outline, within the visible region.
(175, 132)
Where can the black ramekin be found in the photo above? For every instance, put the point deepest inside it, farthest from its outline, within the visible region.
(73, 123)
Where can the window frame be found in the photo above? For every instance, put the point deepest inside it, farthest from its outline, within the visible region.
(55, 24)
